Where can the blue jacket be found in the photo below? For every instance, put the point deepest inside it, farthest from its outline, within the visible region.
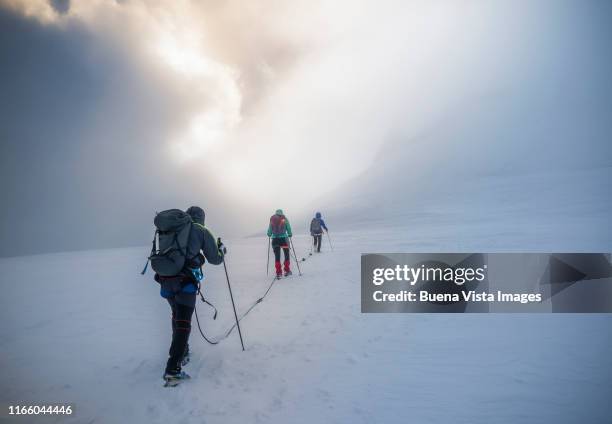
(323, 224)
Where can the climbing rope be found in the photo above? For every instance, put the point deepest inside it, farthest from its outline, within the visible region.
(257, 302)
(229, 331)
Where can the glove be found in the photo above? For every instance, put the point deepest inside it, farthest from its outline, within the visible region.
(221, 246)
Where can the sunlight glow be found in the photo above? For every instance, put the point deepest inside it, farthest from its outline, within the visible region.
(215, 83)
(181, 54)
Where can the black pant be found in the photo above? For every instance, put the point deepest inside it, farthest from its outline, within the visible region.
(181, 327)
(317, 241)
(277, 244)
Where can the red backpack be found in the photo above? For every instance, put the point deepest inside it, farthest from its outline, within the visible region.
(277, 223)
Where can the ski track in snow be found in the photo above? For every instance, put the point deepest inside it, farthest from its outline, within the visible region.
(87, 329)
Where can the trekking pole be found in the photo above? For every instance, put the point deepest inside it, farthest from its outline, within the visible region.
(295, 256)
(268, 265)
(329, 240)
(231, 297)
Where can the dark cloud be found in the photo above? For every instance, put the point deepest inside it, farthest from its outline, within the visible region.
(82, 128)
(61, 6)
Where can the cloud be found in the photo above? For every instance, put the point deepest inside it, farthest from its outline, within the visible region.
(109, 111)
(61, 6)
(223, 56)
(250, 106)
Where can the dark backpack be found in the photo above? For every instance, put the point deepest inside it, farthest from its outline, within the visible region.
(169, 251)
(315, 226)
(277, 223)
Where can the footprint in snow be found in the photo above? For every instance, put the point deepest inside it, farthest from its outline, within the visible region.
(262, 417)
(140, 367)
(324, 395)
(277, 404)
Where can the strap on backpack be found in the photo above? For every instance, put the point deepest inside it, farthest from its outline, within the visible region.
(153, 249)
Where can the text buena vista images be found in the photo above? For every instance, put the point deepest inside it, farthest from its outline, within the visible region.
(459, 276)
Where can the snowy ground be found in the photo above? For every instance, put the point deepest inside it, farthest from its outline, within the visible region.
(87, 329)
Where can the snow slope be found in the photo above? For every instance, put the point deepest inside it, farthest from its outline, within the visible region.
(86, 328)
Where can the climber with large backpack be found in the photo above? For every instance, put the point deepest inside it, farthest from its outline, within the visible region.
(279, 232)
(181, 246)
(317, 225)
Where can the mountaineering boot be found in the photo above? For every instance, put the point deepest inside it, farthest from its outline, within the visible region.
(175, 378)
(279, 271)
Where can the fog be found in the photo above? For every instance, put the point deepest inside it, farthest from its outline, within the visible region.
(112, 111)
